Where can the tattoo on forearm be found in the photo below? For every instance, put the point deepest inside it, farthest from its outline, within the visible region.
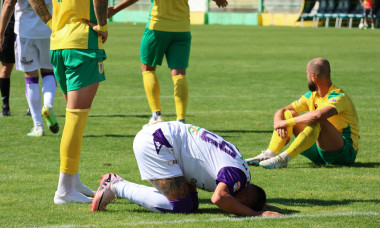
(101, 7)
(172, 188)
(40, 8)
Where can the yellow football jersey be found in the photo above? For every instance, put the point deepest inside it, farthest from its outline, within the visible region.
(169, 16)
(346, 121)
(68, 29)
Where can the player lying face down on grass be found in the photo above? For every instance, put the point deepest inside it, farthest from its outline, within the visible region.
(324, 121)
(177, 159)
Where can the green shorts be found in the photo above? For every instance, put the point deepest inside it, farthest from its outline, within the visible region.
(345, 156)
(77, 68)
(174, 45)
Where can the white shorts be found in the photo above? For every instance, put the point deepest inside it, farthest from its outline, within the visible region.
(154, 166)
(32, 54)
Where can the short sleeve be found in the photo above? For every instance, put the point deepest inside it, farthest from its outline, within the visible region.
(301, 105)
(234, 178)
(338, 102)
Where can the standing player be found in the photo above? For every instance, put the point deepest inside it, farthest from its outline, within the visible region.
(367, 10)
(327, 134)
(167, 33)
(7, 58)
(32, 53)
(77, 55)
(176, 159)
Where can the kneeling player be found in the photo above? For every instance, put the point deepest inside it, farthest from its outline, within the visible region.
(176, 159)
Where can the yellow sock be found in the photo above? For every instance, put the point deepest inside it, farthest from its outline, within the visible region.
(277, 143)
(152, 90)
(304, 140)
(181, 93)
(71, 141)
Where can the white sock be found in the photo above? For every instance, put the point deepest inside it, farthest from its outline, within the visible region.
(66, 193)
(79, 187)
(147, 197)
(49, 86)
(33, 97)
(285, 156)
(65, 183)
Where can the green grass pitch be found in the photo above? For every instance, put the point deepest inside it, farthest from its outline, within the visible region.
(238, 77)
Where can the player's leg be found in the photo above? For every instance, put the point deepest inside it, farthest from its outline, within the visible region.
(152, 50)
(33, 97)
(5, 85)
(372, 21)
(7, 58)
(49, 87)
(152, 90)
(83, 76)
(177, 55)
(26, 56)
(171, 193)
(277, 143)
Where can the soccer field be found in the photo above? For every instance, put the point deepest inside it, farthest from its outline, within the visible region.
(238, 77)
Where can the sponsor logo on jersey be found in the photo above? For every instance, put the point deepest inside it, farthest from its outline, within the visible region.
(333, 100)
(26, 62)
(193, 130)
(101, 67)
(237, 186)
(172, 162)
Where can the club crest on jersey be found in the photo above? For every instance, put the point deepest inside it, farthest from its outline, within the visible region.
(172, 162)
(237, 186)
(193, 130)
(101, 67)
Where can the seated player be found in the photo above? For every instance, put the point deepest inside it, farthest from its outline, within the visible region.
(176, 159)
(327, 134)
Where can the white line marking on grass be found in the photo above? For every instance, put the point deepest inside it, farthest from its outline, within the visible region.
(229, 219)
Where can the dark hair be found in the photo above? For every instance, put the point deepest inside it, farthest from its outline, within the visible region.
(260, 200)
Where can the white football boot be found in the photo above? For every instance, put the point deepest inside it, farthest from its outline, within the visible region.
(265, 155)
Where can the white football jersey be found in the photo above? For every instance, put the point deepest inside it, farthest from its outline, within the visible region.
(28, 24)
(204, 157)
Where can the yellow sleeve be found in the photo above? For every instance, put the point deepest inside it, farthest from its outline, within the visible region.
(301, 105)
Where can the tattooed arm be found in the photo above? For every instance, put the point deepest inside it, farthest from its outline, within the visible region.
(40, 8)
(6, 14)
(172, 188)
(100, 7)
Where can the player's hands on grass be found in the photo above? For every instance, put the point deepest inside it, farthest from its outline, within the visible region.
(221, 3)
(271, 213)
(95, 27)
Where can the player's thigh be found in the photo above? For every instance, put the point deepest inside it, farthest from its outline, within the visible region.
(26, 55)
(178, 52)
(153, 46)
(83, 67)
(43, 47)
(330, 139)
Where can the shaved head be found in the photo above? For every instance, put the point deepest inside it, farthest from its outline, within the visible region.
(320, 67)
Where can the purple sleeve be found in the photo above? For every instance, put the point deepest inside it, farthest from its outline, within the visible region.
(233, 177)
